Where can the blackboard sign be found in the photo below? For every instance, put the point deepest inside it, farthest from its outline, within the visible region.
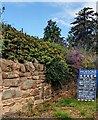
(87, 85)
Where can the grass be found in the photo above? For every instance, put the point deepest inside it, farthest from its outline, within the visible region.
(86, 108)
(82, 112)
(59, 114)
(97, 104)
(67, 102)
(63, 108)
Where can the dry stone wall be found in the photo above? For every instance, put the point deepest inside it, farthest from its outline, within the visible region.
(22, 83)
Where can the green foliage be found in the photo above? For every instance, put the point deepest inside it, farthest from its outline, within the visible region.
(57, 72)
(59, 114)
(30, 108)
(60, 62)
(89, 62)
(82, 112)
(66, 102)
(84, 35)
(71, 102)
(97, 104)
(77, 59)
(17, 45)
(52, 33)
(70, 39)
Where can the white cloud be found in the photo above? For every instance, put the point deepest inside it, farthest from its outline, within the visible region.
(61, 21)
(68, 12)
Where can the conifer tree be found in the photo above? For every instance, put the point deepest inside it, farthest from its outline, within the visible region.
(84, 29)
(52, 33)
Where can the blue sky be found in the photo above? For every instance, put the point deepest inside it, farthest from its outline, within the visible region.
(33, 16)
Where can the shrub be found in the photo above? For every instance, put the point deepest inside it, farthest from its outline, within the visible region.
(57, 72)
(89, 62)
(74, 58)
(17, 45)
(77, 59)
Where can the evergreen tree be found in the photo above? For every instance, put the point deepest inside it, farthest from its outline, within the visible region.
(52, 33)
(84, 29)
(70, 40)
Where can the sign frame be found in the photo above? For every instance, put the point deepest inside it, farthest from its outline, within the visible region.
(88, 74)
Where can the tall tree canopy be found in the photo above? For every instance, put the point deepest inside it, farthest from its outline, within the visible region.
(84, 29)
(52, 33)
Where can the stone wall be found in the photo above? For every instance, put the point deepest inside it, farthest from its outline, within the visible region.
(22, 83)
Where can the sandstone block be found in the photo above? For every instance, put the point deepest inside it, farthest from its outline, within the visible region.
(35, 92)
(7, 69)
(0, 70)
(15, 108)
(29, 66)
(0, 82)
(8, 94)
(41, 67)
(6, 65)
(38, 102)
(32, 68)
(16, 66)
(17, 93)
(25, 95)
(11, 82)
(35, 77)
(27, 84)
(39, 82)
(27, 74)
(30, 99)
(42, 77)
(22, 79)
(0, 76)
(35, 73)
(37, 97)
(7, 102)
(36, 65)
(41, 73)
(42, 93)
(5, 110)
(9, 75)
(22, 68)
(47, 92)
